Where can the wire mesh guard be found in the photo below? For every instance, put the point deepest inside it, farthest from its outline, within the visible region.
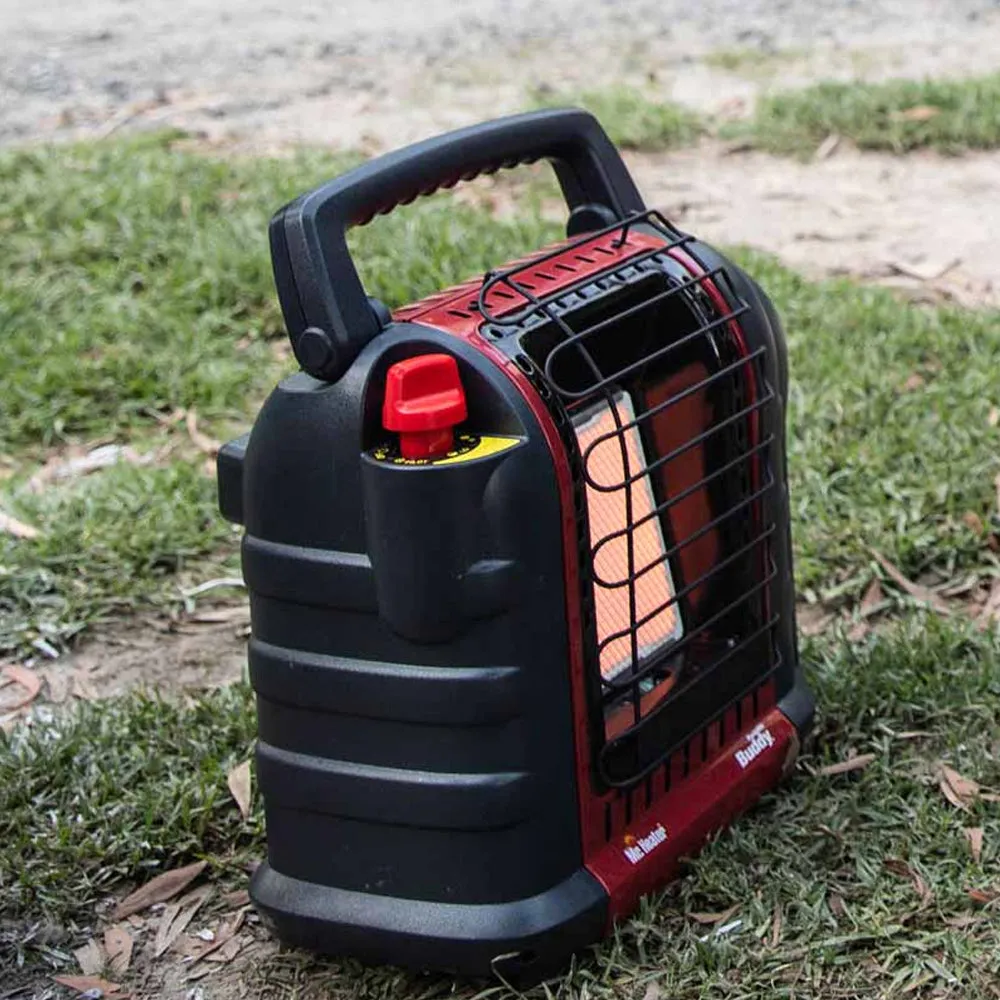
(663, 410)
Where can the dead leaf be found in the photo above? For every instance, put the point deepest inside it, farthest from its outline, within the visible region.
(74, 463)
(118, 945)
(710, 919)
(175, 919)
(983, 896)
(974, 835)
(239, 786)
(925, 269)
(858, 763)
(227, 951)
(914, 382)
(901, 868)
(83, 688)
(159, 889)
(858, 631)
(165, 933)
(26, 679)
(653, 992)
(234, 900)
(962, 921)
(827, 147)
(57, 681)
(90, 957)
(918, 113)
(12, 526)
(915, 590)
(84, 984)
(872, 598)
(993, 417)
(201, 441)
(991, 609)
(776, 926)
(973, 522)
(959, 791)
(812, 619)
(837, 906)
(226, 932)
(188, 946)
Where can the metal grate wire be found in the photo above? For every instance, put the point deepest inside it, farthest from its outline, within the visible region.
(562, 311)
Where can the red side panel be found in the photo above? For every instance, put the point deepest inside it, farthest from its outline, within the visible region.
(648, 854)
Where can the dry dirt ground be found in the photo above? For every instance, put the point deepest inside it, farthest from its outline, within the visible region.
(198, 654)
(373, 74)
(376, 73)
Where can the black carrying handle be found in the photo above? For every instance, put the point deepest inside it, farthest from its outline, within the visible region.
(328, 315)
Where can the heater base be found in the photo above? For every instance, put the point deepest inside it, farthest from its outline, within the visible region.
(522, 940)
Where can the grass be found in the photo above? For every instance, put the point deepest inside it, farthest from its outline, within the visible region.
(135, 279)
(120, 301)
(874, 460)
(899, 115)
(116, 791)
(631, 118)
(890, 441)
(816, 850)
(110, 544)
(129, 274)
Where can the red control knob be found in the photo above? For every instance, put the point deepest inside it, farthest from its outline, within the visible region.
(424, 400)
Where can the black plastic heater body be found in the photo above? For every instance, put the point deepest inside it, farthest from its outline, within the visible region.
(443, 780)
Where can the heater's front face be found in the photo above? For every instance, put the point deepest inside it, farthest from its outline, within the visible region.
(665, 403)
(663, 391)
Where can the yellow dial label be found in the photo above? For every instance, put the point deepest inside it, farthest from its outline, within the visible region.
(468, 448)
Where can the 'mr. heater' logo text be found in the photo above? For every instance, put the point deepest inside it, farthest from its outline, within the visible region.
(636, 848)
(759, 739)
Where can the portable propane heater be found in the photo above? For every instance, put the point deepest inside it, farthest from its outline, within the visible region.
(519, 570)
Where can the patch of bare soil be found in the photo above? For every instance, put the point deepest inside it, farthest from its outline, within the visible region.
(206, 651)
(400, 71)
(923, 223)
